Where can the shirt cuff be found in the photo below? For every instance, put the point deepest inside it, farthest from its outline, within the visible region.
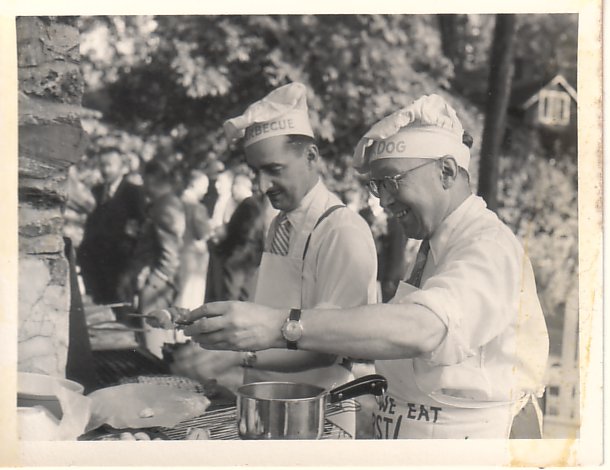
(452, 349)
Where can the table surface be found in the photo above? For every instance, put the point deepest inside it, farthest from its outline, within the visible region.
(113, 367)
(220, 418)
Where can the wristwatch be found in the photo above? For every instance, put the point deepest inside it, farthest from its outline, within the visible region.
(292, 330)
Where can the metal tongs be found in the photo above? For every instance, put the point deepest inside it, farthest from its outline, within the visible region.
(177, 315)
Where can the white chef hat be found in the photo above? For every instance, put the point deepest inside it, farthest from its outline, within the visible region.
(427, 128)
(281, 112)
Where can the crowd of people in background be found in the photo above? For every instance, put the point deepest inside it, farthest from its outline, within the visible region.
(154, 238)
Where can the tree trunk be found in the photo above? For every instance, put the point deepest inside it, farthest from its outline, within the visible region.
(500, 79)
(448, 30)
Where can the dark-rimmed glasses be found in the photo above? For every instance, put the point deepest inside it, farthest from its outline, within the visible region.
(391, 183)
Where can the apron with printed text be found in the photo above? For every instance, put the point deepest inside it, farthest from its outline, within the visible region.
(433, 415)
(280, 285)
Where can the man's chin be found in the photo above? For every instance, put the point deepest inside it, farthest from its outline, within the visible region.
(276, 204)
(410, 230)
(279, 203)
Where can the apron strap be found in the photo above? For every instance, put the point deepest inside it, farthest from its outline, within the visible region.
(328, 211)
(539, 415)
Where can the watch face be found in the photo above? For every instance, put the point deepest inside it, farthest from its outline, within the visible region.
(292, 330)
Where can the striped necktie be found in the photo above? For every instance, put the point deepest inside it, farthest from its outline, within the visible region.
(281, 239)
(420, 263)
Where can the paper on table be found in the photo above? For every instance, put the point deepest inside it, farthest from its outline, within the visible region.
(121, 406)
(76, 409)
(37, 423)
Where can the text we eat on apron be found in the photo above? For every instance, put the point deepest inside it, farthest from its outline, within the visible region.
(407, 412)
(387, 422)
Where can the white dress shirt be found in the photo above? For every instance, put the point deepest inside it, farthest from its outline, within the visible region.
(479, 281)
(340, 269)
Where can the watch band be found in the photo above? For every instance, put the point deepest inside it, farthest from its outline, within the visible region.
(295, 315)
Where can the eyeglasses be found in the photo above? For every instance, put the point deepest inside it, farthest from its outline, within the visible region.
(390, 183)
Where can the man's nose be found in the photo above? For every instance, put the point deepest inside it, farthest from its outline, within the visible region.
(264, 182)
(385, 198)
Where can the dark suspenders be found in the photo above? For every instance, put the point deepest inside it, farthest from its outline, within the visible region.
(328, 211)
(346, 362)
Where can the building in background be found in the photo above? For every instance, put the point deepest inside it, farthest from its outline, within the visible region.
(553, 106)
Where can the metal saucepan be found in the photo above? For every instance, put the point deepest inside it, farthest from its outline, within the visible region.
(287, 410)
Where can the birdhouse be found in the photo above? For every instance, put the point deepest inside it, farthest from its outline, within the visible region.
(553, 106)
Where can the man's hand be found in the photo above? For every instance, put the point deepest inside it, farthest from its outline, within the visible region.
(237, 326)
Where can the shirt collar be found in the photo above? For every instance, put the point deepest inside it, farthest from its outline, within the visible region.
(114, 186)
(297, 215)
(442, 235)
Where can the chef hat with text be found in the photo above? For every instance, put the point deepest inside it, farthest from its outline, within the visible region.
(427, 128)
(281, 112)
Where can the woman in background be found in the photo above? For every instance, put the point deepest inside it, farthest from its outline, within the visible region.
(194, 256)
(234, 260)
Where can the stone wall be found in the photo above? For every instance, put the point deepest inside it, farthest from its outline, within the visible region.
(50, 140)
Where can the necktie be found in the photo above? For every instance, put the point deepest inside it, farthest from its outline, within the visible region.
(106, 193)
(420, 263)
(281, 239)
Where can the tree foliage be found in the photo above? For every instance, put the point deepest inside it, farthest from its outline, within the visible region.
(183, 76)
(545, 45)
(171, 81)
(538, 199)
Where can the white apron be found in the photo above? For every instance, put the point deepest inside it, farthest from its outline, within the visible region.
(434, 416)
(279, 285)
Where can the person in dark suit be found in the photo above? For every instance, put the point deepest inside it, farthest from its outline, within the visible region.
(153, 270)
(153, 274)
(110, 230)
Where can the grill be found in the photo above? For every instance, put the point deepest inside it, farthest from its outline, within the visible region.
(111, 366)
(222, 424)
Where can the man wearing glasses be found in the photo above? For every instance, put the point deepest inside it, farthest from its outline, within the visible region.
(463, 343)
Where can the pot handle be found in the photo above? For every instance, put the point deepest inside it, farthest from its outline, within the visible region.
(373, 384)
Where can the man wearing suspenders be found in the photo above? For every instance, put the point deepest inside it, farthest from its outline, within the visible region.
(318, 252)
(463, 344)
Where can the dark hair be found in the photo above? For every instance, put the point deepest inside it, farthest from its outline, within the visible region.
(159, 170)
(467, 139)
(245, 231)
(299, 139)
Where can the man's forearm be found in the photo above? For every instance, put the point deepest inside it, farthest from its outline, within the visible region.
(382, 331)
(283, 360)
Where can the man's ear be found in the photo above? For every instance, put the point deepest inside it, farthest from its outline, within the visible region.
(312, 152)
(449, 171)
